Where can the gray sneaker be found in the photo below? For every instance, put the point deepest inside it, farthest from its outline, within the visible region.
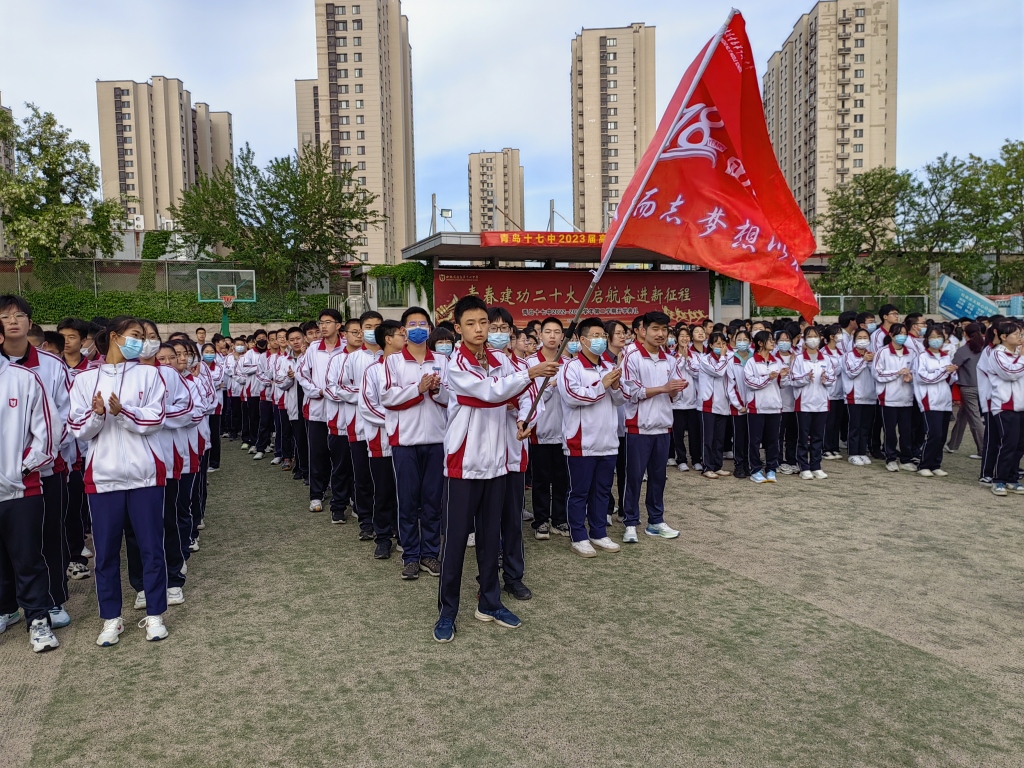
(563, 529)
(542, 532)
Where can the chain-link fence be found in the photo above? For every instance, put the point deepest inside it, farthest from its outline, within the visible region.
(163, 291)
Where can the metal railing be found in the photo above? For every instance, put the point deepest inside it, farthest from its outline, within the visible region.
(834, 305)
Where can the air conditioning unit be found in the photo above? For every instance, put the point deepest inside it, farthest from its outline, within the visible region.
(138, 222)
(356, 297)
(166, 224)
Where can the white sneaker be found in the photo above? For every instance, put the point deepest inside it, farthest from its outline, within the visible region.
(974, 456)
(583, 549)
(939, 472)
(683, 468)
(111, 632)
(807, 475)
(175, 596)
(662, 530)
(606, 544)
(908, 467)
(609, 521)
(245, 446)
(892, 466)
(140, 601)
(698, 467)
(316, 506)
(276, 460)
(86, 553)
(155, 629)
(629, 537)
(787, 469)
(671, 462)
(724, 473)
(527, 514)
(865, 460)
(471, 541)
(193, 545)
(7, 619)
(201, 527)
(925, 473)
(252, 449)
(819, 475)
(947, 449)
(855, 460)
(211, 470)
(257, 456)
(184, 568)
(41, 637)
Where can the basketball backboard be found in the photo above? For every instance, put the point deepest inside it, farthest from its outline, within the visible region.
(215, 284)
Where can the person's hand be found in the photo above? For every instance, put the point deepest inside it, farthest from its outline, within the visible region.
(291, 374)
(511, 407)
(427, 382)
(97, 405)
(523, 431)
(784, 372)
(951, 368)
(869, 356)
(675, 385)
(812, 375)
(115, 404)
(611, 379)
(907, 377)
(904, 372)
(544, 370)
(773, 375)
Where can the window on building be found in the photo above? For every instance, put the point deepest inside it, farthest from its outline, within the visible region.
(858, 133)
(355, 10)
(859, 13)
(858, 73)
(361, 165)
(357, 25)
(360, 120)
(129, 164)
(342, 26)
(613, 112)
(344, 119)
(346, 150)
(858, 118)
(357, 57)
(613, 97)
(613, 56)
(612, 126)
(858, 42)
(858, 58)
(359, 103)
(613, 139)
(858, 163)
(613, 153)
(613, 179)
(357, 41)
(611, 41)
(131, 187)
(858, 27)
(360, 134)
(342, 58)
(129, 175)
(360, 150)
(858, 88)
(345, 136)
(613, 166)
(359, 88)
(613, 83)
(342, 73)
(613, 70)
(341, 42)
(858, 147)
(359, 72)
(388, 294)
(343, 104)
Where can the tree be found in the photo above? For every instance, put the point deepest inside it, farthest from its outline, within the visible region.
(48, 205)
(289, 221)
(998, 214)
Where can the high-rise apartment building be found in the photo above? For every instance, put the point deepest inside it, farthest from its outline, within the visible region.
(830, 97)
(613, 116)
(154, 143)
(496, 191)
(361, 105)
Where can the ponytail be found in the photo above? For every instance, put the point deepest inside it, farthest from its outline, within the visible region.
(894, 330)
(119, 325)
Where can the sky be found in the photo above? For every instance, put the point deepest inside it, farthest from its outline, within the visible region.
(487, 74)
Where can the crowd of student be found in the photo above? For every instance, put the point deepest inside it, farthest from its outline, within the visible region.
(425, 433)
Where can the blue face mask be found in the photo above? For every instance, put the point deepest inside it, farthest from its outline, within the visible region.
(935, 343)
(598, 346)
(900, 339)
(208, 358)
(717, 351)
(872, 327)
(132, 348)
(240, 349)
(574, 347)
(742, 346)
(498, 340)
(370, 337)
(785, 346)
(444, 348)
(671, 342)
(417, 335)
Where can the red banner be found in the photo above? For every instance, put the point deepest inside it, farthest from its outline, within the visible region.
(533, 294)
(709, 190)
(564, 239)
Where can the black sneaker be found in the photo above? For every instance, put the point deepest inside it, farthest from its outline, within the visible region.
(431, 565)
(411, 570)
(518, 590)
(339, 518)
(542, 532)
(365, 535)
(382, 551)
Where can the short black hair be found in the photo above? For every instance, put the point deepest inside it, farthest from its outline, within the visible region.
(862, 317)
(417, 311)
(500, 313)
(912, 318)
(9, 300)
(637, 322)
(447, 324)
(465, 304)
(200, 328)
(351, 320)
(387, 329)
(369, 315)
(656, 318)
(308, 326)
(588, 323)
(330, 312)
(847, 317)
(886, 309)
(258, 331)
(294, 329)
(74, 324)
(55, 339)
(549, 320)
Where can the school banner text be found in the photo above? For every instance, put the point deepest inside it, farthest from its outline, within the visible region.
(532, 294)
(527, 239)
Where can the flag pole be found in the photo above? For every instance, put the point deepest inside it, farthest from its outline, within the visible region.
(599, 272)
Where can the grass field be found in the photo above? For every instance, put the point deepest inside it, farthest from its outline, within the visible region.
(866, 620)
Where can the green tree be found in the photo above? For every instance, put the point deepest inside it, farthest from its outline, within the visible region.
(997, 210)
(48, 206)
(289, 221)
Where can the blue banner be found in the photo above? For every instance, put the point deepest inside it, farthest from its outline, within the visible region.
(957, 300)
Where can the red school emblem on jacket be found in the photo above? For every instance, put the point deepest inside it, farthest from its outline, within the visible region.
(13, 402)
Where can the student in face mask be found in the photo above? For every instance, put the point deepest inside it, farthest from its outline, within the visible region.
(741, 355)
(812, 376)
(835, 421)
(117, 409)
(859, 395)
(893, 371)
(236, 391)
(216, 381)
(573, 347)
(441, 341)
(713, 384)
(788, 430)
(934, 374)
(1006, 394)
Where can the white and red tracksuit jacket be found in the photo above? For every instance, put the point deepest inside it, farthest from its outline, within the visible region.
(477, 443)
(641, 370)
(53, 372)
(1006, 380)
(251, 365)
(29, 434)
(122, 453)
(713, 384)
(411, 417)
(812, 380)
(590, 416)
(217, 374)
(764, 393)
(737, 384)
(890, 387)
(835, 391)
(351, 385)
(548, 427)
(312, 376)
(687, 369)
(339, 406)
(372, 414)
(179, 412)
(932, 382)
(197, 438)
(858, 381)
(288, 398)
(236, 383)
(518, 450)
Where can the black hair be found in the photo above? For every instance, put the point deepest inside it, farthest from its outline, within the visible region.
(217, 338)
(912, 318)
(862, 317)
(180, 335)
(293, 329)
(447, 325)
(208, 344)
(494, 314)
(588, 323)
(258, 331)
(369, 315)
(9, 300)
(718, 328)
(440, 333)
(147, 324)
(55, 340)
(200, 328)
(847, 317)
(74, 324)
(894, 330)
(833, 331)
(166, 345)
(330, 312)
(417, 311)
(637, 322)
(793, 329)
(349, 321)
(761, 340)
(465, 304)
(387, 329)
(551, 320)
(609, 327)
(307, 326)
(886, 309)
(119, 325)
(716, 336)
(655, 318)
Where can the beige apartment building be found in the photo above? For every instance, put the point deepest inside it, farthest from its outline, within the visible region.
(6, 166)
(154, 144)
(496, 200)
(361, 105)
(613, 117)
(830, 97)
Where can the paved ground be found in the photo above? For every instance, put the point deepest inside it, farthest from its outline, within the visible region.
(869, 619)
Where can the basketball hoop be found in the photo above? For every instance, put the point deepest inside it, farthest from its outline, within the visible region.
(227, 301)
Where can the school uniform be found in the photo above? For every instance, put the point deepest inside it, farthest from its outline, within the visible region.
(590, 443)
(860, 398)
(1006, 370)
(124, 476)
(764, 411)
(513, 553)
(248, 367)
(287, 402)
(216, 380)
(738, 419)
(836, 403)
(348, 393)
(685, 416)
(991, 438)
(28, 443)
(896, 398)
(934, 395)
(550, 490)
(812, 380)
(789, 431)
(267, 411)
(236, 386)
(211, 399)
(620, 458)
(275, 404)
(648, 432)
(713, 392)
(415, 423)
(318, 409)
(378, 447)
(77, 523)
(190, 498)
(476, 464)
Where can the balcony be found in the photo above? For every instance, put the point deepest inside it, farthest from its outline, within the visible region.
(843, 111)
(842, 140)
(845, 35)
(843, 81)
(845, 51)
(842, 171)
(843, 65)
(843, 156)
(843, 127)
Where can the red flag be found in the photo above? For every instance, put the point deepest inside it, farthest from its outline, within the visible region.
(709, 190)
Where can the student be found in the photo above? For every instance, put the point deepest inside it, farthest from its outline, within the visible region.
(649, 381)
(835, 421)
(933, 375)
(985, 383)
(27, 444)
(812, 376)
(859, 395)
(685, 416)
(293, 454)
(117, 408)
(966, 359)
(318, 408)
(190, 483)
(480, 383)
(216, 381)
(201, 335)
(249, 367)
(789, 430)
(391, 336)
(716, 409)
(77, 521)
(761, 375)
(550, 474)
(16, 320)
(257, 363)
(893, 372)
(351, 383)
(415, 403)
(591, 393)
(1006, 367)
(848, 325)
(618, 335)
(738, 400)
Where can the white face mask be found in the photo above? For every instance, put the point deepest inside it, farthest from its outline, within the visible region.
(812, 342)
(85, 351)
(862, 343)
(149, 348)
